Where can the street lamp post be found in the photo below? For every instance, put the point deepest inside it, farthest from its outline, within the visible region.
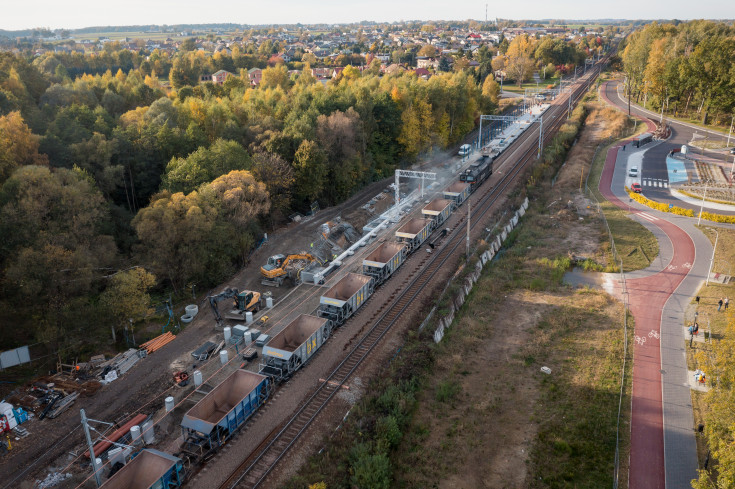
(712, 261)
(701, 208)
(730, 133)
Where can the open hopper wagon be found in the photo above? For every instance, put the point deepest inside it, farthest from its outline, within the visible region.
(414, 233)
(222, 412)
(346, 297)
(438, 210)
(384, 260)
(287, 351)
(458, 192)
(150, 469)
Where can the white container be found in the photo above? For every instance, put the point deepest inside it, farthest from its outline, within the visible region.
(135, 433)
(228, 334)
(684, 149)
(269, 302)
(223, 357)
(148, 433)
(197, 378)
(192, 310)
(116, 455)
(248, 317)
(169, 403)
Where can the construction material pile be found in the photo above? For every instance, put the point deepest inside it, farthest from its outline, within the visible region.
(158, 342)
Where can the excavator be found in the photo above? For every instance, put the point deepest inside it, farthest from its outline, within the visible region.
(246, 301)
(280, 267)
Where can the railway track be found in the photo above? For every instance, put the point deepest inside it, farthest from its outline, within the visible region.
(255, 468)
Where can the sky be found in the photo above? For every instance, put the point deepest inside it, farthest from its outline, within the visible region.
(72, 14)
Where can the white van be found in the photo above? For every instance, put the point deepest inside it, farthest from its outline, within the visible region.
(465, 149)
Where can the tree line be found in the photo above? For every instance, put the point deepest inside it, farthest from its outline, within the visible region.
(686, 69)
(113, 183)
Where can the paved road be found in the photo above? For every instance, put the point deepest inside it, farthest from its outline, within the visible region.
(654, 174)
(663, 447)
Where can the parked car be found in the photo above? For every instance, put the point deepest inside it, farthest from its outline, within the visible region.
(633, 172)
(636, 187)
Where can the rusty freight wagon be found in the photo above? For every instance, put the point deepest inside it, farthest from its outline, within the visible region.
(438, 210)
(222, 412)
(345, 297)
(384, 260)
(458, 192)
(148, 470)
(294, 345)
(414, 232)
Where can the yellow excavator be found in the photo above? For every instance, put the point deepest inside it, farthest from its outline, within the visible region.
(280, 267)
(243, 302)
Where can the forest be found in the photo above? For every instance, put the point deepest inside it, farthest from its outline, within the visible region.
(121, 176)
(686, 69)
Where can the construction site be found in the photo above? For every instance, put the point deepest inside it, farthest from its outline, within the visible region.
(281, 348)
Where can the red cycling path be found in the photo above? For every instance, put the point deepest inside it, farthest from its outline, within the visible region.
(647, 297)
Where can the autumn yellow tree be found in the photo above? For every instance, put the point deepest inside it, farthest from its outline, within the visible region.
(18, 145)
(520, 59)
(126, 296)
(491, 89)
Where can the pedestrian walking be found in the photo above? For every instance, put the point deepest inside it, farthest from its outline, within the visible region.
(719, 304)
(727, 303)
(697, 299)
(623, 147)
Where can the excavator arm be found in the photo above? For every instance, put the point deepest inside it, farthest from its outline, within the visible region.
(214, 299)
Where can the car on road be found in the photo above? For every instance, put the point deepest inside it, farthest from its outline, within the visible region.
(633, 172)
(636, 187)
(732, 151)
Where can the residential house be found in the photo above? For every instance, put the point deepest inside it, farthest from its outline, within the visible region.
(426, 62)
(321, 73)
(422, 73)
(255, 75)
(220, 76)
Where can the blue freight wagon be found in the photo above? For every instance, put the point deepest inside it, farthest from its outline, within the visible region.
(345, 297)
(438, 210)
(384, 260)
(294, 345)
(222, 412)
(414, 233)
(150, 469)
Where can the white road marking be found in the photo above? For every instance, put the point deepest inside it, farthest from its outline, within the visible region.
(648, 217)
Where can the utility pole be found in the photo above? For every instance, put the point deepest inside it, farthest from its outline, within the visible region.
(92, 456)
(469, 206)
(712, 261)
(540, 137)
(701, 208)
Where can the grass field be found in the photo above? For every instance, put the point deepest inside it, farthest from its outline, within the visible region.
(155, 36)
(513, 87)
(635, 244)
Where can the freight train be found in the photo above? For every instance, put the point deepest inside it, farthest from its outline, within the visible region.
(222, 413)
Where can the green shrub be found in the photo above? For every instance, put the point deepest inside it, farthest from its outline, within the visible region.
(447, 391)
